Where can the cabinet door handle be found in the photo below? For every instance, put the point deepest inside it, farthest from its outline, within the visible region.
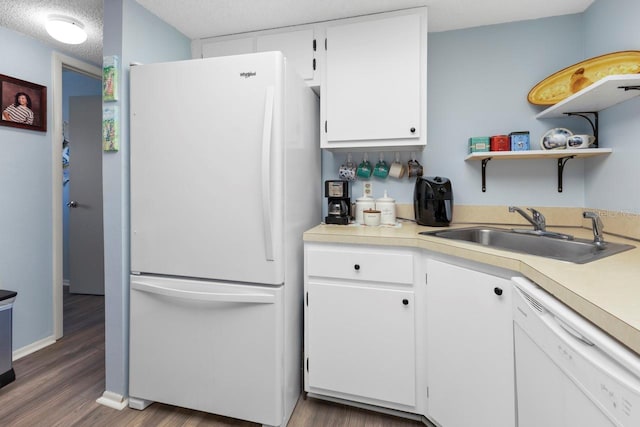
(413, 130)
(497, 291)
(405, 301)
(357, 266)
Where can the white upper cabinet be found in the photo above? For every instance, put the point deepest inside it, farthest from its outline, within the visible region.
(227, 47)
(296, 46)
(373, 91)
(370, 71)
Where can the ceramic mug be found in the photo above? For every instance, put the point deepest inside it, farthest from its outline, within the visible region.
(580, 141)
(347, 171)
(414, 167)
(364, 168)
(397, 169)
(382, 168)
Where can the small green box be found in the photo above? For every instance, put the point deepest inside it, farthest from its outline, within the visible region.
(478, 144)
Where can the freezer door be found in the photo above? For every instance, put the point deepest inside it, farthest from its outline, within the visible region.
(206, 168)
(212, 347)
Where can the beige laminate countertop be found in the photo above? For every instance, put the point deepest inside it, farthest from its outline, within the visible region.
(606, 291)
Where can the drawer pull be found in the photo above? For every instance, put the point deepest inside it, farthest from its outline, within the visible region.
(357, 266)
(405, 301)
(497, 291)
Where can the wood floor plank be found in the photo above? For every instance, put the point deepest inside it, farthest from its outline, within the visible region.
(58, 387)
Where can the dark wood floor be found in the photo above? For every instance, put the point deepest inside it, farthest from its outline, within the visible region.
(58, 387)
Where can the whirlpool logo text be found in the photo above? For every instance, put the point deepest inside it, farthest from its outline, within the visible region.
(247, 74)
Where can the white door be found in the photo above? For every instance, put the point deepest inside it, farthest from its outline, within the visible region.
(373, 80)
(547, 396)
(361, 342)
(469, 348)
(86, 240)
(212, 49)
(206, 168)
(297, 47)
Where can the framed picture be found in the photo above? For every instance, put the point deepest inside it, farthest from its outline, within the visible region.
(110, 128)
(110, 78)
(24, 104)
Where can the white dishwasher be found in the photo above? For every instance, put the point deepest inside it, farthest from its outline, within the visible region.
(569, 373)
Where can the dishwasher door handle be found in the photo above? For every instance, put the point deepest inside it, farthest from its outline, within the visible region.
(575, 334)
(248, 298)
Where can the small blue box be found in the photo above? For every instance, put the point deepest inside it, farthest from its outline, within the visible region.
(519, 141)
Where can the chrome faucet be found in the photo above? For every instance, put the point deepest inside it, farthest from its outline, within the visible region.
(596, 224)
(536, 219)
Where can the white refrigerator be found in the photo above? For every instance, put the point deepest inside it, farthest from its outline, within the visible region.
(225, 177)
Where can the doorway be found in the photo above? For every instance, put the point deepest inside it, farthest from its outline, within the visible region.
(61, 64)
(82, 187)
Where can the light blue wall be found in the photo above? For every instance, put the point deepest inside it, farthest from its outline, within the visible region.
(73, 84)
(478, 80)
(612, 183)
(25, 189)
(135, 35)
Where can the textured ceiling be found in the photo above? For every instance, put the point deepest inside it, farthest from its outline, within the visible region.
(29, 16)
(207, 18)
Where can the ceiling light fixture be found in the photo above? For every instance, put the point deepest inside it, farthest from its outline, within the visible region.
(66, 30)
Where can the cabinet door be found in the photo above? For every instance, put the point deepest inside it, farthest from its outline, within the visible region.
(469, 348)
(361, 342)
(296, 46)
(373, 80)
(212, 49)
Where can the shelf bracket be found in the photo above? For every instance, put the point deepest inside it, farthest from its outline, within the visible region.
(626, 88)
(561, 162)
(593, 123)
(484, 174)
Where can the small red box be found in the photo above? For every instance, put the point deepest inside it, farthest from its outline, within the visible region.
(500, 143)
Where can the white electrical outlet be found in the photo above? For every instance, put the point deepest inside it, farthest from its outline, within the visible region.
(368, 189)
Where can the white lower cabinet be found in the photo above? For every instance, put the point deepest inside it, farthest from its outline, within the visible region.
(361, 326)
(395, 328)
(362, 341)
(470, 365)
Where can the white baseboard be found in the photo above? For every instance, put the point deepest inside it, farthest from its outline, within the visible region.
(33, 347)
(113, 400)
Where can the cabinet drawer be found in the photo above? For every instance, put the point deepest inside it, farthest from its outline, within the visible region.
(388, 266)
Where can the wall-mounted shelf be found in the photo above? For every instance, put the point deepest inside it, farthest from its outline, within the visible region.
(604, 93)
(561, 155)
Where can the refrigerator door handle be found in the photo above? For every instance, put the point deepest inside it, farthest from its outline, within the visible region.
(266, 173)
(249, 298)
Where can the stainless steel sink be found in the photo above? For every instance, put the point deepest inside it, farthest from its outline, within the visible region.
(579, 251)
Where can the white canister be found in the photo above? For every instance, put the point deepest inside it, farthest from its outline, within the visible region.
(362, 204)
(371, 217)
(387, 207)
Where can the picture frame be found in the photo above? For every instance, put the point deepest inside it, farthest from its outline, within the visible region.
(22, 104)
(110, 128)
(110, 78)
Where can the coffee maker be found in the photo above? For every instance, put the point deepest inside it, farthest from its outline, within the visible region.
(433, 201)
(339, 203)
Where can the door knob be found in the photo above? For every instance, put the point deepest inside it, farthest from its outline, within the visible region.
(72, 204)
